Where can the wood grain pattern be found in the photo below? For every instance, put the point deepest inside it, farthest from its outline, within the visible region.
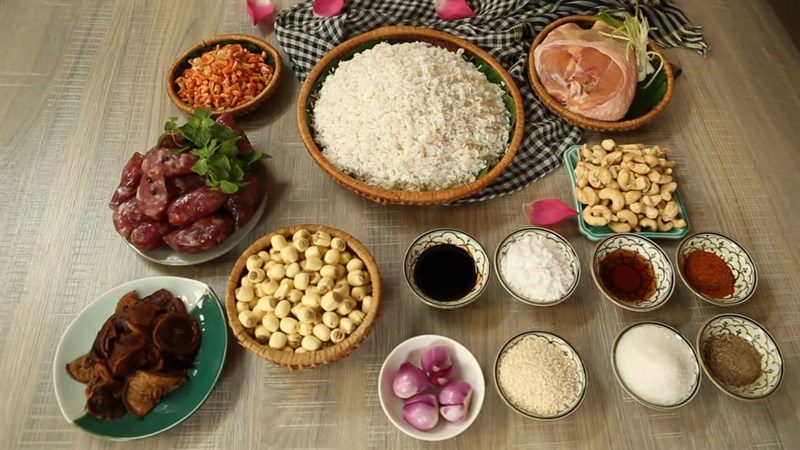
(81, 87)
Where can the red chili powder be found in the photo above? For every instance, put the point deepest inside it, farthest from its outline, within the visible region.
(708, 274)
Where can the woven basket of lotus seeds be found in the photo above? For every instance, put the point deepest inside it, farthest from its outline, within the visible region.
(303, 296)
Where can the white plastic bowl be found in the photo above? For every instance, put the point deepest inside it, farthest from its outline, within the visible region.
(467, 369)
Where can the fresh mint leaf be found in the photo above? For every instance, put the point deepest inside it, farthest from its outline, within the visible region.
(228, 148)
(236, 172)
(228, 187)
(200, 167)
(222, 132)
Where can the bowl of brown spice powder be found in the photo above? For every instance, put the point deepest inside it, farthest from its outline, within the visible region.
(716, 268)
(740, 357)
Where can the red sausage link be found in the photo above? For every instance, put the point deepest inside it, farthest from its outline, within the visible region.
(171, 165)
(194, 205)
(128, 216)
(131, 174)
(152, 195)
(243, 203)
(201, 235)
(147, 236)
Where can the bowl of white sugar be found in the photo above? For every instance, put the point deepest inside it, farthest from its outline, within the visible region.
(537, 266)
(656, 365)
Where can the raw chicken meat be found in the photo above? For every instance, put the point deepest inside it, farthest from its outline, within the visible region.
(591, 74)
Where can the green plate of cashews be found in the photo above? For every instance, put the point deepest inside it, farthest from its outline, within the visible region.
(596, 233)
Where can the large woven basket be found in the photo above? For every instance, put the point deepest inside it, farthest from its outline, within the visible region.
(251, 43)
(581, 121)
(407, 34)
(325, 355)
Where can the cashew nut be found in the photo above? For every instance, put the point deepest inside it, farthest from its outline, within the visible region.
(632, 197)
(651, 160)
(636, 207)
(586, 196)
(640, 184)
(651, 200)
(667, 190)
(653, 190)
(628, 217)
(679, 223)
(611, 158)
(608, 144)
(599, 177)
(651, 212)
(623, 178)
(619, 227)
(648, 223)
(666, 178)
(664, 226)
(640, 168)
(586, 152)
(613, 185)
(616, 197)
(654, 176)
(670, 210)
(596, 215)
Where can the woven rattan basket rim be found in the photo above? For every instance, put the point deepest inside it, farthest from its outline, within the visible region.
(398, 196)
(325, 355)
(585, 122)
(241, 109)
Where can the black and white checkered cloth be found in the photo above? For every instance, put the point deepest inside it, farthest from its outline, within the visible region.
(504, 28)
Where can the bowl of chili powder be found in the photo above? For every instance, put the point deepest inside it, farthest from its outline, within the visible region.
(716, 268)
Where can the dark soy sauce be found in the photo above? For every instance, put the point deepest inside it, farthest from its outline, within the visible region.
(628, 276)
(445, 272)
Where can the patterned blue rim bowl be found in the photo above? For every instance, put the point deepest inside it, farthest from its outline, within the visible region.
(698, 379)
(551, 235)
(748, 329)
(562, 345)
(662, 268)
(447, 236)
(734, 255)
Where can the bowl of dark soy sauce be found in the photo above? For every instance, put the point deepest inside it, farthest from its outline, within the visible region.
(446, 268)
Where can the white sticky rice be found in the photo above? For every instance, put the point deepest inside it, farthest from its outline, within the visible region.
(411, 116)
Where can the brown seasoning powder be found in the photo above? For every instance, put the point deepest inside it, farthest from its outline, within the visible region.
(733, 360)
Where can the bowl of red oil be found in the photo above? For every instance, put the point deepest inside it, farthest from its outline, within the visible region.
(633, 272)
(446, 268)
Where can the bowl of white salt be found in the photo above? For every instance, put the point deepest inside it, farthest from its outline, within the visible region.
(656, 365)
(537, 266)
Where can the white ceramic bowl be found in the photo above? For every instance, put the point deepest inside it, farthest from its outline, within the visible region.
(564, 347)
(447, 236)
(467, 369)
(734, 255)
(752, 331)
(688, 348)
(662, 268)
(551, 236)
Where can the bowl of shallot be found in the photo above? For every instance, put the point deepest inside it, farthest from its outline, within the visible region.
(431, 387)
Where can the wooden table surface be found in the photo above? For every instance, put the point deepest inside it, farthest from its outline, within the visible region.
(81, 88)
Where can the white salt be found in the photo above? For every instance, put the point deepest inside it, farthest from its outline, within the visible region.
(537, 269)
(656, 364)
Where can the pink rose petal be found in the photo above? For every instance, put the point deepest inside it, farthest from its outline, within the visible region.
(260, 10)
(328, 8)
(453, 9)
(550, 211)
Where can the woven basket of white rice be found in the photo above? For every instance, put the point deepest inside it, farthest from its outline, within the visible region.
(408, 115)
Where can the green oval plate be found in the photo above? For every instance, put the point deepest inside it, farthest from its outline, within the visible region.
(598, 233)
(202, 304)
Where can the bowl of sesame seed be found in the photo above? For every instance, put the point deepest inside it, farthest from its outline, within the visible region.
(540, 376)
(230, 73)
